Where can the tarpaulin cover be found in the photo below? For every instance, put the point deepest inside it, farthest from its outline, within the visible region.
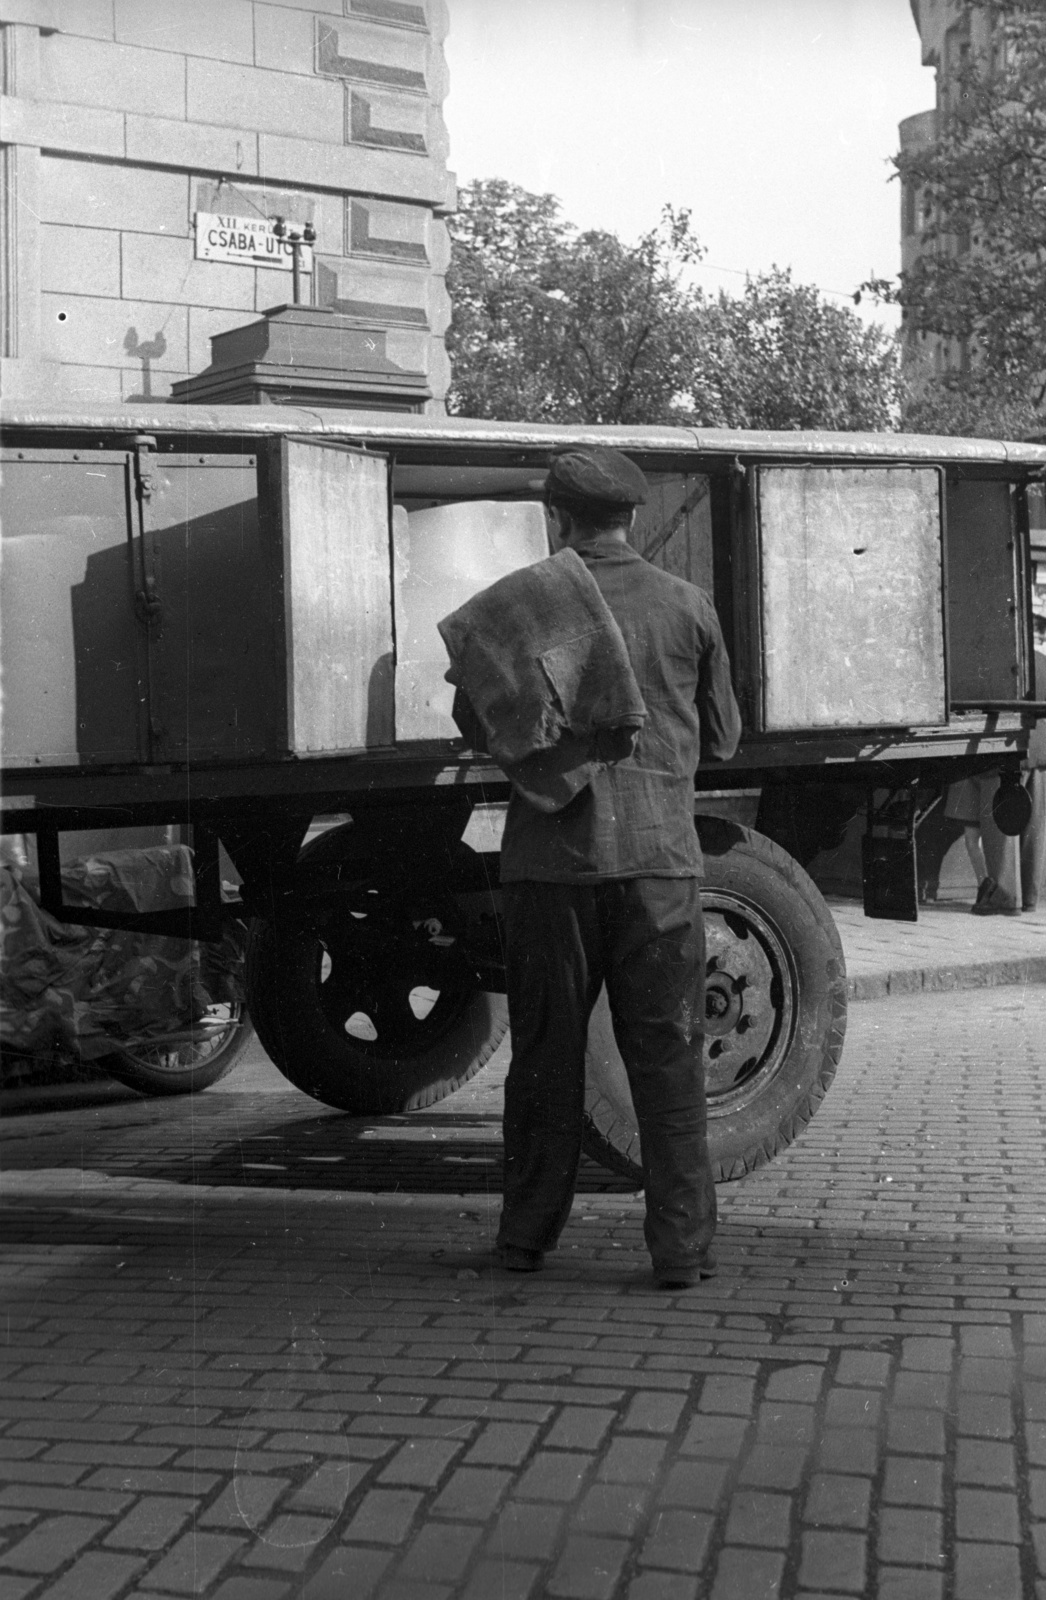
(65, 988)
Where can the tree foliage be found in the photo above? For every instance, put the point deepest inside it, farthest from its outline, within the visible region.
(550, 324)
(782, 356)
(979, 281)
(555, 325)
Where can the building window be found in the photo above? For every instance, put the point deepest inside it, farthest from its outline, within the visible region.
(909, 208)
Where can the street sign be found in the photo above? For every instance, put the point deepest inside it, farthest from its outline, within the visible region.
(247, 241)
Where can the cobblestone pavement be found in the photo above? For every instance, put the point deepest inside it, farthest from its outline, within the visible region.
(237, 1363)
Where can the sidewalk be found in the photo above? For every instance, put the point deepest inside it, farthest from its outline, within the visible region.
(946, 949)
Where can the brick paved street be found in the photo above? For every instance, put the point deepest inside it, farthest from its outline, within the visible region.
(255, 1350)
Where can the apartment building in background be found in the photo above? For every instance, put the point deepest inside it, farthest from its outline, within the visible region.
(163, 162)
(950, 33)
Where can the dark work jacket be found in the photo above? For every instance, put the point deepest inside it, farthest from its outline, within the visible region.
(636, 819)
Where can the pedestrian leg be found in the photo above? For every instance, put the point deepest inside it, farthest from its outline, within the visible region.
(1033, 842)
(1000, 854)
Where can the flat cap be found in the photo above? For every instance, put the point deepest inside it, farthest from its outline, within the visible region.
(604, 477)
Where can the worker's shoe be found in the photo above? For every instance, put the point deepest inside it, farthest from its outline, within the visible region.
(514, 1258)
(687, 1277)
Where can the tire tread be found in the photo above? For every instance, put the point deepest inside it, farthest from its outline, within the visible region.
(722, 838)
(316, 1060)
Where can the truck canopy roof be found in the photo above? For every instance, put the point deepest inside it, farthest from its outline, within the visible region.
(401, 428)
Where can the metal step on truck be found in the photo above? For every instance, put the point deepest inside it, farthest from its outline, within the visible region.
(224, 621)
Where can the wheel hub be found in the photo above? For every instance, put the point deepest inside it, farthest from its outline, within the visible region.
(723, 1004)
(389, 977)
(748, 1000)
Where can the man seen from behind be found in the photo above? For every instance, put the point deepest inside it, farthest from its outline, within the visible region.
(607, 890)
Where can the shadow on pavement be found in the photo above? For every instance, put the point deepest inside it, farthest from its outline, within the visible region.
(416, 1154)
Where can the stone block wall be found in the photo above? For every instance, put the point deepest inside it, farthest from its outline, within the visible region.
(120, 119)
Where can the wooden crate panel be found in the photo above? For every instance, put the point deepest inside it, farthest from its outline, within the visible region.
(674, 528)
(214, 682)
(982, 591)
(852, 631)
(337, 597)
(442, 557)
(72, 666)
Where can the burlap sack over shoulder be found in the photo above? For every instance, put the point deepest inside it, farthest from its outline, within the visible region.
(543, 665)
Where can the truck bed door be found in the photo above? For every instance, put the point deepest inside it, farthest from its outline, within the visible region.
(326, 513)
(74, 670)
(850, 607)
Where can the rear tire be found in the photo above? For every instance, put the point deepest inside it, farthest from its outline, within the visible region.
(776, 1002)
(349, 1009)
(217, 1041)
(210, 1045)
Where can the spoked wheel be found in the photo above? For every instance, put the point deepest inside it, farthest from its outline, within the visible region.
(381, 981)
(188, 1061)
(375, 1008)
(775, 1012)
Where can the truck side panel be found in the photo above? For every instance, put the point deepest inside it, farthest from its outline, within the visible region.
(74, 670)
(210, 637)
(982, 609)
(337, 594)
(852, 624)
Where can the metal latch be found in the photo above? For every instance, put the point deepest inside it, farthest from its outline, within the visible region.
(147, 603)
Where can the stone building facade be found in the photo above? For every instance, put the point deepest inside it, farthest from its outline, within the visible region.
(123, 121)
(949, 32)
(952, 34)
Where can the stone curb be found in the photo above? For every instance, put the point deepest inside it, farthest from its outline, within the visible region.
(936, 980)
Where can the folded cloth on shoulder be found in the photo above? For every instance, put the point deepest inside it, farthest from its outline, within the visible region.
(543, 664)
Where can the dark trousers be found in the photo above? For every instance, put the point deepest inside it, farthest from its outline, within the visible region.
(644, 938)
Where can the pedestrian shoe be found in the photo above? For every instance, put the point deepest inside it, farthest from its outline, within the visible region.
(513, 1258)
(687, 1277)
(985, 889)
(991, 902)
